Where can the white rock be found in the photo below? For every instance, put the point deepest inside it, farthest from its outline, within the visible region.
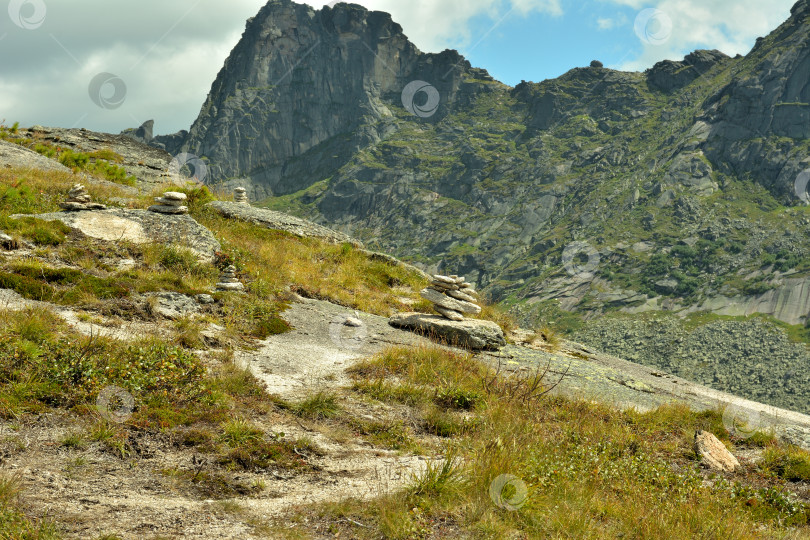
(168, 202)
(353, 322)
(449, 313)
(714, 453)
(460, 295)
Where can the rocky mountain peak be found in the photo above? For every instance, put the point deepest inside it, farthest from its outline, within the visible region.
(303, 90)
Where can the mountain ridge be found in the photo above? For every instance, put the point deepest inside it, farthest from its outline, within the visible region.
(500, 180)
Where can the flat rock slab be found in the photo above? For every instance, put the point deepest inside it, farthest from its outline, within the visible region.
(139, 227)
(271, 219)
(470, 333)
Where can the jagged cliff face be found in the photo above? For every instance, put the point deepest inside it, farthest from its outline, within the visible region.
(677, 185)
(303, 90)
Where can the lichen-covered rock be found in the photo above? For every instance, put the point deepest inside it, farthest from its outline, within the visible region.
(469, 334)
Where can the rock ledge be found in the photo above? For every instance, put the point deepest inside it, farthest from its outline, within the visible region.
(470, 333)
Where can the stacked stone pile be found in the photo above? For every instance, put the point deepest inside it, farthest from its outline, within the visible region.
(240, 195)
(228, 281)
(170, 203)
(79, 199)
(452, 297)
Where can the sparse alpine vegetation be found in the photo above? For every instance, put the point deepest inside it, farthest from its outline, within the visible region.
(203, 427)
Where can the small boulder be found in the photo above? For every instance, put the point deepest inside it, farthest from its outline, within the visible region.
(597, 64)
(714, 453)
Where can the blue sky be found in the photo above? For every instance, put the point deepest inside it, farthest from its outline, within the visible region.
(542, 46)
(167, 53)
(514, 44)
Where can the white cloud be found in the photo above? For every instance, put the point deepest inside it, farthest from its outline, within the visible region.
(717, 24)
(435, 25)
(605, 24)
(167, 54)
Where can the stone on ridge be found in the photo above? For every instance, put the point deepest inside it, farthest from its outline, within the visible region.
(230, 286)
(168, 202)
(449, 313)
(460, 295)
(165, 209)
(441, 300)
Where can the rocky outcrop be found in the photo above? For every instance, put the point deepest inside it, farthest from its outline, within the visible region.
(767, 100)
(140, 227)
(469, 333)
(668, 75)
(276, 220)
(149, 165)
(16, 156)
(304, 89)
(497, 182)
(142, 134)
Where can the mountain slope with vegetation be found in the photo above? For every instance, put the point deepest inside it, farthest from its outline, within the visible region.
(403, 439)
(679, 181)
(583, 198)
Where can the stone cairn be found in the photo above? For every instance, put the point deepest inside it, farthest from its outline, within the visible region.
(228, 280)
(452, 297)
(170, 203)
(240, 195)
(79, 199)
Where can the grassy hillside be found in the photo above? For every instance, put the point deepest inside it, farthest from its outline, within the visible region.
(588, 470)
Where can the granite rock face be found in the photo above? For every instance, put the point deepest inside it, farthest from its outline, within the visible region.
(297, 83)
